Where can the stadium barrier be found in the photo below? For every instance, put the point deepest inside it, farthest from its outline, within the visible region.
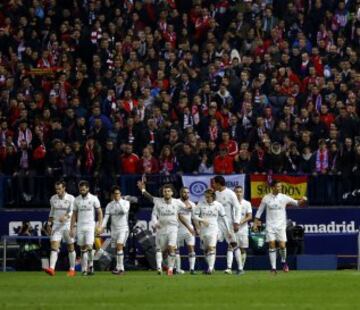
(254, 262)
(322, 190)
(327, 231)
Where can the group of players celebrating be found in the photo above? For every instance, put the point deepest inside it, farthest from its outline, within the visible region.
(222, 214)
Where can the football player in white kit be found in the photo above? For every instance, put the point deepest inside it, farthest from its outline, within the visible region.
(184, 236)
(118, 211)
(275, 204)
(231, 206)
(207, 214)
(84, 216)
(242, 235)
(166, 214)
(60, 215)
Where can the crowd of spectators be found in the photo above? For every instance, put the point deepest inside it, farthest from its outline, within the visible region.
(100, 88)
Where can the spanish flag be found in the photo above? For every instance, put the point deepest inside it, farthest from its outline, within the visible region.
(293, 186)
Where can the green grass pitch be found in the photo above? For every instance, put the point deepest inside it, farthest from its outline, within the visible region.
(146, 290)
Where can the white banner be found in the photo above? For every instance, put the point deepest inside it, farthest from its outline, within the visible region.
(198, 184)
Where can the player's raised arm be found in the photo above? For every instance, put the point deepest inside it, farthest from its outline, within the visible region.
(296, 203)
(142, 188)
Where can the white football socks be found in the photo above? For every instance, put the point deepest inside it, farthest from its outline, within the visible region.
(283, 255)
(72, 258)
(178, 261)
(237, 254)
(91, 258)
(192, 260)
(229, 258)
(53, 258)
(211, 260)
(171, 260)
(84, 260)
(159, 259)
(243, 258)
(272, 256)
(120, 260)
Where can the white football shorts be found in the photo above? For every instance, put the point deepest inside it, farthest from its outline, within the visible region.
(164, 239)
(276, 234)
(224, 234)
(242, 240)
(61, 233)
(208, 240)
(184, 237)
(119, 236)
(85, 236)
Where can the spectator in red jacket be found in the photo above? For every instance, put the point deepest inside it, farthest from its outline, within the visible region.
(148, 164)
(230, 145)
(129, 161)
(223, 163)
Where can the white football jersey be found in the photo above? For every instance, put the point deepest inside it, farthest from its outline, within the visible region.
(85, 207)
(187, 215)
(275, 206)
(245, 209)
(211, 213)
(166, 213)
(119, 213)
(60, 207)
(231, 205)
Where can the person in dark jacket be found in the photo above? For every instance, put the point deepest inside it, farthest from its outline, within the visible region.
(188, 161)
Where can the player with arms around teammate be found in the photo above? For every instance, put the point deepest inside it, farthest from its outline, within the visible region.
(242, 235)
(206, 216)
(60, 215)
(85, 206)
(118, 211)
(166, 215)
(184, 236)
(275, 205)
(231, 206)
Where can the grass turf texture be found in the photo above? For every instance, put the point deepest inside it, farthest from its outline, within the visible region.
(146, 290)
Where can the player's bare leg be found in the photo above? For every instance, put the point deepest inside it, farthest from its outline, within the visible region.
(119, 270)
(229, 259)
(72, 258)
(53, 257)
(282, 251)
(272, 256)
(171, 259)
(192, 258)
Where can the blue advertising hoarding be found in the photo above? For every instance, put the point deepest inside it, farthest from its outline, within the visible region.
(327, 230)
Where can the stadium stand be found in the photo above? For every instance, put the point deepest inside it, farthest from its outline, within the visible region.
(96, 89)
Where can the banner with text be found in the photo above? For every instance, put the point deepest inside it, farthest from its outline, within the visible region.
(198, 184)
(294, 186)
